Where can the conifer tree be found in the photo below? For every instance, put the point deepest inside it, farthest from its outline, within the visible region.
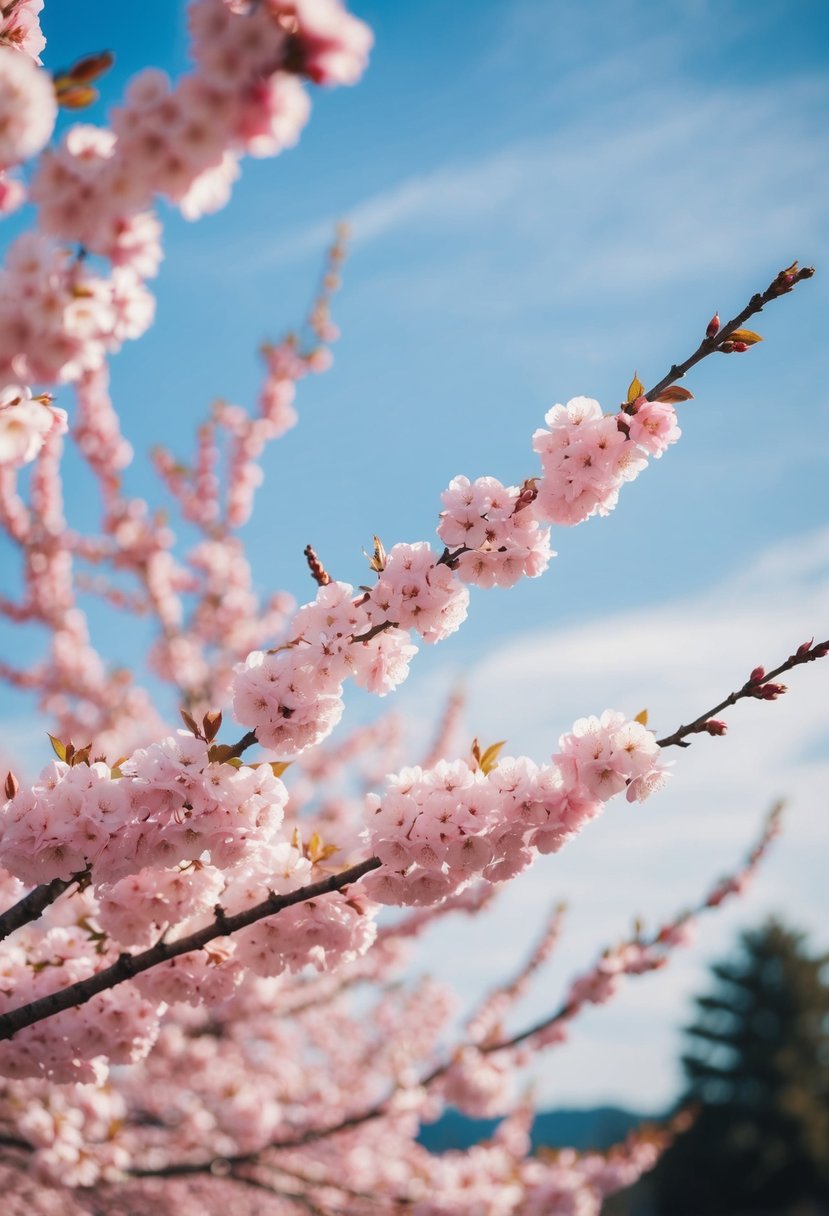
(757, 1069)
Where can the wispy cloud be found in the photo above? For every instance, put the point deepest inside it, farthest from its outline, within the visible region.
(645, 195)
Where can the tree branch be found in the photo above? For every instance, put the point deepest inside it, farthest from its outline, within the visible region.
(759, 685)
(128, 966)
(31, 906)
(783, 283)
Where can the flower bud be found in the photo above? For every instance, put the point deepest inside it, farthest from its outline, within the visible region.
(713, 327)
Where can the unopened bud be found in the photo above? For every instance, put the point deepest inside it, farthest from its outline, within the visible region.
(805, 647)
(820, 652)
(769, 692)
(726, 348)
(715, 727)
(11, 786)
(740, 347)
(713, 326)
(757, 674)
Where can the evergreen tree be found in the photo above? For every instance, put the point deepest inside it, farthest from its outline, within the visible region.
(757, 1069)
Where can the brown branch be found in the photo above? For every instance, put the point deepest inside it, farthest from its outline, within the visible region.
(31, 906)
(783, 283)
(373, 632)
(759, 685)
(127, 966)
(237, 749)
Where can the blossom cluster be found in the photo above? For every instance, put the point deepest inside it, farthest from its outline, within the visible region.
(436, 830)
(25, 421)
(586, 456)
(59, 318)
(181, 141)
(499, 538)
(168, 804)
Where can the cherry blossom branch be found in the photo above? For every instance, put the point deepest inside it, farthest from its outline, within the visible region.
(717, 340)
(668, 935)
(127, 966)
(759, 685)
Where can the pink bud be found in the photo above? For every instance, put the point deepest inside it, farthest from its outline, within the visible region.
(757, 674)
(713, 326)
(769, 692)
(805, 647)
(740, 346)
(715, 727)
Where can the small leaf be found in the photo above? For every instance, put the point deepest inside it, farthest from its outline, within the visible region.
(58, 747)
(674, 393)
(635, 389)
(642, 717)
(220, 753)
(476, 752)
(278, 767)
(490, 757)
(745, 335)
(75, 96)
(793, 269)
(91, 67)
(377, 561)
(190, 722)
(211, 723)
(11, 786)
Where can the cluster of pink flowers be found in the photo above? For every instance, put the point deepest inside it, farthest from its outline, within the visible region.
(586, 455)
(184, 141)
(170, 803)
(122, 877)
(27, 99)
(28, 108)
(117, 1026)
(181, 141)
(20, 27)
(604, 755)
(25, 421)
(437, 829)
(292, 696)
(58, 319)
(500, 537)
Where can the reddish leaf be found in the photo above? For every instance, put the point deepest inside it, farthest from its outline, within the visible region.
(673, 393)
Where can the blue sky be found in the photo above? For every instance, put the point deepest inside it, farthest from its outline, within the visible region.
(546, 196)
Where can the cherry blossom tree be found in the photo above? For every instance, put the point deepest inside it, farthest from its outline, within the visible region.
(201, 1001)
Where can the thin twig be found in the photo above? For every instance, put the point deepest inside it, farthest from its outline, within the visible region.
(783, 283)
(760, 685)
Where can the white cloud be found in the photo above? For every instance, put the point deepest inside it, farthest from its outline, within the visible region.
(678, 659)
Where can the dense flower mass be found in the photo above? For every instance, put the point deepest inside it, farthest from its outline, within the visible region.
(196, 974)
(499, 538)
(436, 830)
(586, 456)
(28, 108)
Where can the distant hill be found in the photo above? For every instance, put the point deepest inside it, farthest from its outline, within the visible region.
(598, 1127)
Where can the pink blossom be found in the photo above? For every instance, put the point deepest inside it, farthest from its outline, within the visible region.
(28, 108)
(25, 421)
(654, 426)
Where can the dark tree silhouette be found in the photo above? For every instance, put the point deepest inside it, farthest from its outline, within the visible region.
(757, 1069)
